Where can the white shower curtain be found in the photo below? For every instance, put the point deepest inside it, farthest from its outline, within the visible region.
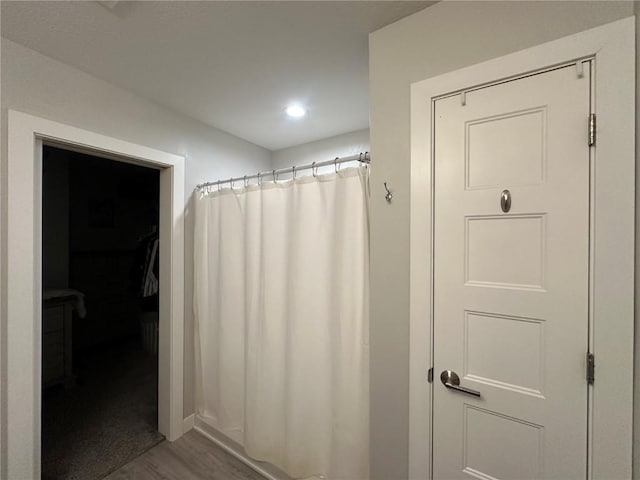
(281, 305)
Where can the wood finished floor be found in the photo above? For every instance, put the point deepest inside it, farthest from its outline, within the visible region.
(192, 457)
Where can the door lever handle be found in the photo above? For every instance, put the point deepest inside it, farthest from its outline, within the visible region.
(450, 379)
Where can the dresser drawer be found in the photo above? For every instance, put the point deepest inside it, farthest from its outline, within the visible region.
(53, 344)
(52, 356)
(56, 342)
(53, 318)
(53, 371)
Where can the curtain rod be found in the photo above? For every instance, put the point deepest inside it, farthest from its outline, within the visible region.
(361, 157)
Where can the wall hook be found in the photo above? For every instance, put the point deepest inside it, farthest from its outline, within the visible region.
(389, 195)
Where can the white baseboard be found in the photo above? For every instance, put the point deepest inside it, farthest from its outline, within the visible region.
(187, 423)
(267, 470)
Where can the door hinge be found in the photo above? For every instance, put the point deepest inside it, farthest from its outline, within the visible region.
(591, 368)
(430, 375)
(592, 129)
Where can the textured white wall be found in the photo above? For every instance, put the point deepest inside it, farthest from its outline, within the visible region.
(41, 86)
(445, 37)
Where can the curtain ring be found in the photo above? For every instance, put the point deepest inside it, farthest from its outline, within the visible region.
(231, 183)
(259, 179)
(335, 163)
(275, 179)
(313, 169)
(360, 159)
(293, 172)
(245, 182)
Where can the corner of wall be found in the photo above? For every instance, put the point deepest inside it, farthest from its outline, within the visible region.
(346, 144)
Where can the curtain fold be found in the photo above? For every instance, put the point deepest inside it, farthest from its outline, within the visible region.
(281, 306)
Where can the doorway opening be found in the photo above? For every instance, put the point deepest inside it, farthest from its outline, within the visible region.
(100, 278)
(21, 418)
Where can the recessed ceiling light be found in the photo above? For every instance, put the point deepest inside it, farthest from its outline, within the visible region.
(296, 111)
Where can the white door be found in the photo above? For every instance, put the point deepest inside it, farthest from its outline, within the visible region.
(511, 285)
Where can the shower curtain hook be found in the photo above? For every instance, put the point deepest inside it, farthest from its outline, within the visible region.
(231, 183)
(275, 179)
(245, 182)
(313, 169)
(293, 172)
(335, 163)
(259, 179)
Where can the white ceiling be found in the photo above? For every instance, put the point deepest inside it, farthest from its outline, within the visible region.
(234, 65)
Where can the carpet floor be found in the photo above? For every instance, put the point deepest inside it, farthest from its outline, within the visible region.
(106, 420)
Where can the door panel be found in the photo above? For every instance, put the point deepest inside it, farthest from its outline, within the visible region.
(511, 288)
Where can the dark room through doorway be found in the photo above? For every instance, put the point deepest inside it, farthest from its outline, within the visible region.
(100, 264)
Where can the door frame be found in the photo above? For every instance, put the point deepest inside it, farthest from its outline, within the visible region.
(611, 296)
(21, 420)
